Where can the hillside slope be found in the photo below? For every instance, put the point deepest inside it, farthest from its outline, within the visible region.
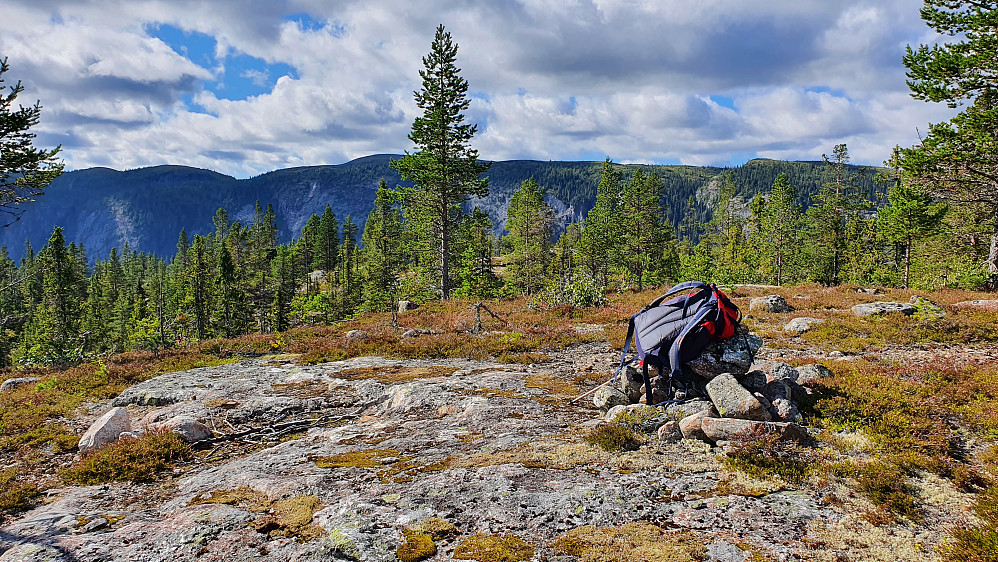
(147, 207)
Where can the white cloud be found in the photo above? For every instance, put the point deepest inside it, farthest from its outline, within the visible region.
(627, 78)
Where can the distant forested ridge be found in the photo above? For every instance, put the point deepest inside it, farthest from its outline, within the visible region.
(145, 208)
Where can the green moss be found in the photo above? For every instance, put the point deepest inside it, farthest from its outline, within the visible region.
(370, 458)
(613, 437)
(634, 542)
(494, 548)
(417, 546)
(291, 517)
(435, 527)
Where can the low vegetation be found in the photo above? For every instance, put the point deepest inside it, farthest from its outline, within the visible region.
(134, 460)
(637, 542)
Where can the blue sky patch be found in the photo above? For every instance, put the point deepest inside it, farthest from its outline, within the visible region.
(242, 77)
(724, 101)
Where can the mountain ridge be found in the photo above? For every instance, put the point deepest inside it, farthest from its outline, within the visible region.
(146, 208)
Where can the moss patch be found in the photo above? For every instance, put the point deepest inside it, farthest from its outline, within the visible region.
(417, 546)
(371, 458)
(637, 542)
(494, 548)
(393, 374)
(291, 517)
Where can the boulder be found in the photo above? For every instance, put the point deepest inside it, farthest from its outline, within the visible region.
(11, 384)
(670, 432)
(405, 306)
(188, 428)
(690, 425)
(810, 373)
(607, 397)
(978, 304)
(726, 429)
(924, 308)
(733, 355)
(801, 324)
(878, 308)
(770, 303)
(680, 411)
(782, 371)
(639, 417)
(732, 400)
(357, 335)
(105, 430)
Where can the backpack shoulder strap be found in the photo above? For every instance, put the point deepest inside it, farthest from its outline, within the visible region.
(626, 348)
(677, 289)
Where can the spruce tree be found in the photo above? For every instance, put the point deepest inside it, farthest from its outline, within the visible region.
(444, 169)
(529, 220)
(780, 226)
(25, 171)
(598, 247)
(383, 253)
(645, 236)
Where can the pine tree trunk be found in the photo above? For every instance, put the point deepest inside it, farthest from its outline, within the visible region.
(444, 258)
(993, 253)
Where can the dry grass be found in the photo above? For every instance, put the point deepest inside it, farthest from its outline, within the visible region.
(636, 542)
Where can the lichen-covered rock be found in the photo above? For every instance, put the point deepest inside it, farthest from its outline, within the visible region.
(357, 335)
(726, 429)
(607, 397)
(638, 417)
(810, 373)
(188, 428)
(801, 324)
(630, 383)
(978, 304)
(681, 410)
(690, 425)
(785, 409)
(878, 308)
(732, 400)
(733, 355)
(770, 303)
(11, 384)
(753, 380)
(105, 430)
(782, 371)
(670, 432)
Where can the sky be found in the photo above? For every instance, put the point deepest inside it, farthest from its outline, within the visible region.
(244, 87)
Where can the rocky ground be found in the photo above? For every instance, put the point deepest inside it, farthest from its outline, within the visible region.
(493, 449)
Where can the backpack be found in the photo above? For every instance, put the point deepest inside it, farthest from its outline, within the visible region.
(669, 333)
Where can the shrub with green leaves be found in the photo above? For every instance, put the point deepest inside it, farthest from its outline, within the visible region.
(135, 460)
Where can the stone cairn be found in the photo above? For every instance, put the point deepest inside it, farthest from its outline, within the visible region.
(744, 397)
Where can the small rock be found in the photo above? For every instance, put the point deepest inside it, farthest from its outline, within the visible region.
(784, 371)
(690, 425)
(869, 291)
(733, 355)
(357, 335)
(607, 397)
(188, 428)
(670, 432)
(631, 383)
(877, 308)
(801, 324)
(753, 380)
(411, 333)
(105, 430)
(405, 306)
(727, 429)
(680, 411)
(811, 373)
(836, 353)
(785, 410)
(11, 384)
(95, 525)
(732, 400)
(723, 551)
(770, 303)
(639, 417)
